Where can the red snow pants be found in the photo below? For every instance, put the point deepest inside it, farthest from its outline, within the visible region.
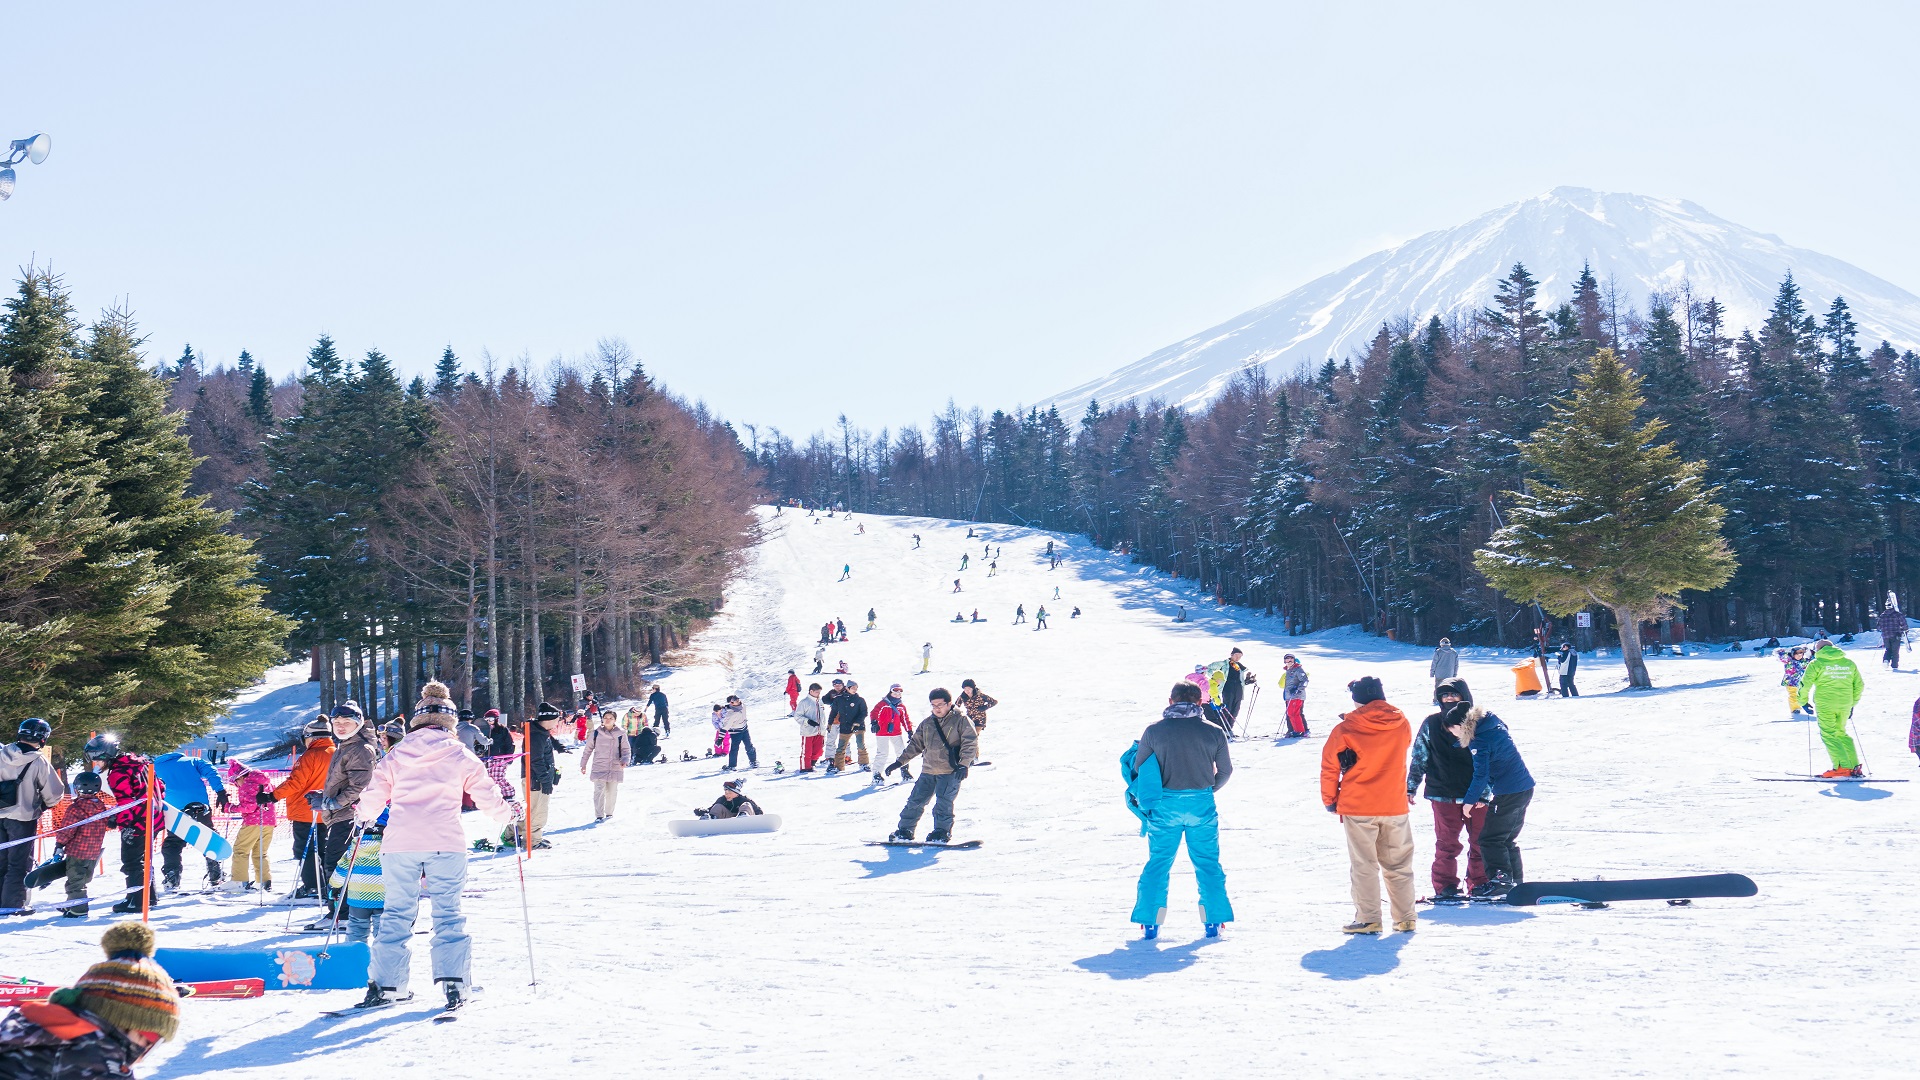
(1297, 716)
(1448, 819)
(812, 748)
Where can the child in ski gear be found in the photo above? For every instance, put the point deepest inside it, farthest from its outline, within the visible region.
(1503, 785)
(362, 885)
(1363, 773)
(83, 841)
(1445, 663)
(1793, 665)
(849, 718)
(1040, 617)
(100, 1026)
(1172, 773)
(731, 803)
(890, 721)
(309, 776)
(810, 714)
(1448, 770)
(604, 762)
(1019, 614)
(1293, 691)
(1832, 682)
(35, 789)
(946, 742)
(579, 728)
(975, 702)
(424, 782)
(258, 817)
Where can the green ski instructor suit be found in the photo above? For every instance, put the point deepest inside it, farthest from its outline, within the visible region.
(1833, 682)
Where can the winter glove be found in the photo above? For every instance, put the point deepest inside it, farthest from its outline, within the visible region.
(701, 812)
(893, 768)
(1347, 758)
(960, 773)
(320, 803)
(223, 801)
(1331, 809)
(264, 797)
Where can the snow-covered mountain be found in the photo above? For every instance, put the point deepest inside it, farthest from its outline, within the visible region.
(1644, 243)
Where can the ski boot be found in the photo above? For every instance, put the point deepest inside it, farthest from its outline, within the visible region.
(77, 911)
(779, 767)
(483, 844)
(170, 881)
(1149, 931)
(938, 836)
(455, 998)
(1497, 886)
(379, 997)
(1213, 929)
(130, 905)
(900, 836)
(1836, 773)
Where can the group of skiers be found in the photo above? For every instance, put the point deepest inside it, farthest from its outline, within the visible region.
(1463, 756)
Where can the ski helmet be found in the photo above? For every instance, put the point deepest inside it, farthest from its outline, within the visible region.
(86, 783)
(103, 747)
(349, 710)
(317, 728)
(34, 729)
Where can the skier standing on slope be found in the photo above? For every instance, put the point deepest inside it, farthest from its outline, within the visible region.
(1445, 664)
(1893, 632)
(871, 618)
(309, 774)
(963, 561)
(1832, 681)
(126, 775)
(793, 690)
(1503, 785)
(1172, 773)
(658, 701)
(36, 788)
(846, 571)
(945, 740)
(1040, 618)
(890, 720)
(1233, 689)
(734, 720)
(976, 702)
(1793, 666)
(849, 717)
(604, 763)
(1448, 772)
(1363, 771)
(926, 656)
(633, 723)
(811, 715)
(424, 780)
(1293, 691)
(819, 659)
(347, 774)
(1019, 614)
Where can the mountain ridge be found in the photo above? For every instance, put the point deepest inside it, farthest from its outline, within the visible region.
(1644, 243)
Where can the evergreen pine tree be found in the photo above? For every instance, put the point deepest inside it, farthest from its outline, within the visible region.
(1616, 520)
(446, 375)
(260, 399)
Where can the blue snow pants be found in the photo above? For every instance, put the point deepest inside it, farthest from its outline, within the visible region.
(401, 874)
(1178, 814)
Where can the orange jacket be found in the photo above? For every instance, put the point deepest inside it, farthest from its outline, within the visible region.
(1376, 784)
(309, 774)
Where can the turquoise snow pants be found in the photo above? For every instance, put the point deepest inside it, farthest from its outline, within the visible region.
(1833, 732)
(1178, 814)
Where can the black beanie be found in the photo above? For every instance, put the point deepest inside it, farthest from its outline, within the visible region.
(1452, 686)
(1366, 688)
(546, 712)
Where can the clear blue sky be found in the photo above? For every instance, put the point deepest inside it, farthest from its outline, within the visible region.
(794, 209)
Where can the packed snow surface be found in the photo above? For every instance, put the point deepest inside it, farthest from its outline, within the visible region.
(1643, 244)
(805, 953)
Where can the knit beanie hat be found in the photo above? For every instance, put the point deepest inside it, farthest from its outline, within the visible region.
(435, 708)
(1366, 688)
(129, 990)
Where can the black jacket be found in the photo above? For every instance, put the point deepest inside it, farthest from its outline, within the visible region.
(850, 713)
(546, 772)
(648, 747)
(1440, 760)
(502, 739)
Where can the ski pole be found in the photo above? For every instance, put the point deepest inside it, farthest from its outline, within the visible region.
(526, 921)
(341, 904)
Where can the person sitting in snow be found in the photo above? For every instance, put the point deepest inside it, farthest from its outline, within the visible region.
(731, 803)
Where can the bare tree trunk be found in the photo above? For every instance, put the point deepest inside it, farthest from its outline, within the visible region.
(579, 615)
(1629, 626)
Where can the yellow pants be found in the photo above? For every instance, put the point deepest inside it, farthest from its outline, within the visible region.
(250, 846)
(1793, 699)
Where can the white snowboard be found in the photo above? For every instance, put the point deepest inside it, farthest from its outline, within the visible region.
(719, 826)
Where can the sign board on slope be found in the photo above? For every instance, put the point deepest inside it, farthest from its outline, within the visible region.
(579, 683)
(1584, 619)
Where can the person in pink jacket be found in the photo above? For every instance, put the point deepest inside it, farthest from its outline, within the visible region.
(420, 784)
(253, 797)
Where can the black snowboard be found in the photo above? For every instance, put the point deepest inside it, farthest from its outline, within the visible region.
(47, 873)
(959, 845)
(1600, 892)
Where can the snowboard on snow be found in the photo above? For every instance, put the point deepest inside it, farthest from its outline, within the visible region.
(958, 845)
(340, 966)
(1601, 892)
(755, 823)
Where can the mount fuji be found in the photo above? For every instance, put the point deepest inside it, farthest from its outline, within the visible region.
(1644, 243)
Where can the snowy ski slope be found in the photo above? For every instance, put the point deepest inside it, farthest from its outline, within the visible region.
(805, 954)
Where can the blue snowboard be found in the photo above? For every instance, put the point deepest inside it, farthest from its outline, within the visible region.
(305, 967)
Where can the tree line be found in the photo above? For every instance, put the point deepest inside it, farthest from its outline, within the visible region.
(1359, 491)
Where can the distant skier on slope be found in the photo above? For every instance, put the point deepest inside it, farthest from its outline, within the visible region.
(1019, 614)
(1832, 682)
(1172, 773)
(1445, 663)
(819, 659)
(871, 618)
(945, 740)
(1040, 618)
(793, 690)
(963, 561)
(1447, 770)
(658, 702)
(1293, 691)
(926, 657)
(846, 571)
(1893, 632)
